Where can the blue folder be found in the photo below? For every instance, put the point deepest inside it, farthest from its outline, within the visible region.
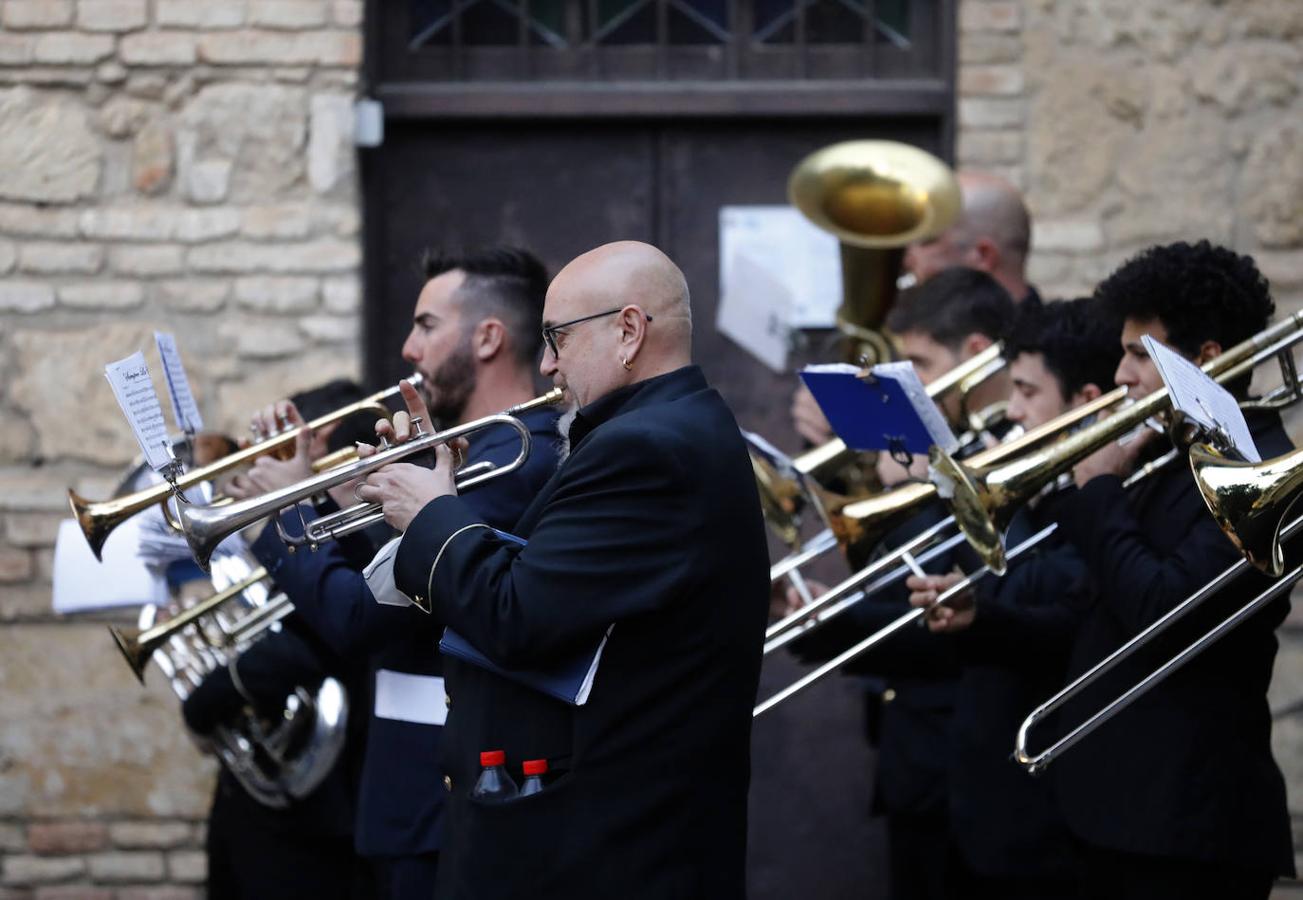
(877, 413)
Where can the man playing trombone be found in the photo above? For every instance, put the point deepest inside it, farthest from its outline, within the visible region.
(648, 544)
(474, 340)
(1178, 795)
(1010, 838)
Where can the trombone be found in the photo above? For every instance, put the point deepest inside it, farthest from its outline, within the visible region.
(1037, 762)
(984, 498)
(207, 526)
(98, 518)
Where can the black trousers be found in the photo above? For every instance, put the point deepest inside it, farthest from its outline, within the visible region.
(405, 877)
(257, 853)
(921, 859)
(1114, 875)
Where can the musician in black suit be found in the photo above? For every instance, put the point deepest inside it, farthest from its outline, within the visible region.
(1178, 795)
(650, 534)
(475, 341)
(912, 677)
(1016, 631)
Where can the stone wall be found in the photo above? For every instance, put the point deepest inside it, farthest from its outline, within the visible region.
(182, 165)
(185, 165)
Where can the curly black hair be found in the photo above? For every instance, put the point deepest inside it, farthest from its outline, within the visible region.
(1078, 339)
(1200, 292)
(501, 281)
(953, 304)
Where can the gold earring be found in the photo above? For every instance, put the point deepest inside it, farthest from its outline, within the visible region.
(625, 362)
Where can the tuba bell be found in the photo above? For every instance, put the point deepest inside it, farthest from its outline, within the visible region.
(876, 198)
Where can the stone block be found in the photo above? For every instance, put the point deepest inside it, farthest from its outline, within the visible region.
(980, 148)
(288, 220)
(209, 181)
(110, 73)
(126, 867)
(1271, 186)
(55, 258)
(159, 892)
(72, 892)
(192, 294)
(23, 602)
(152, 158)
(52, 838)
(1284, 269)
(326, 255)
(25, 296)
(255, 133)
(112, 15)
(287, 14)
(16, 49)
(102, 295)
(146, 222)
(53, 366)
(17, 441)
(266, 339)
(324, 48)
(983, 49)
(66, 48)
(123, 116)
(347, 13)
(156, 835)
(993, 80)
(19, 14)
(344, 220)
(162, 259)
(158, 48)
(12, 838)
(330, 141)
(187, 866)
(1069, 236)
(991, 112)
(31, 530)
(194, 225)
(15, 565)
(341, 295)
(200, 14)
(33, 490)
(330, 329)
(33, 870)
(48, 153)
(8, 257)
(258, 385)
(277, 294)
(990, 15)
(27, 220)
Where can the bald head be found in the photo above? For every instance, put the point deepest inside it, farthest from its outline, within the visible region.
(993, 234)
(642, 325)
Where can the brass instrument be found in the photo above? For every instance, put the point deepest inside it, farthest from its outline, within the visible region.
(984, 498)
(205, 526)
(1250, 501)
(876, 198)
(98, 518)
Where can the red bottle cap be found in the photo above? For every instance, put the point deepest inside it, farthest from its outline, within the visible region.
(535, 766)
(492, 758)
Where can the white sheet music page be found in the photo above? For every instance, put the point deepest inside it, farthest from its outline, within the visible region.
(184, 408)
(1201, 399)
(139, 401)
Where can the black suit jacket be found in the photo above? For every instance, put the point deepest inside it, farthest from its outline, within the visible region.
(400, 797)
(1014, 656)
(652, 524)
(1187, 770)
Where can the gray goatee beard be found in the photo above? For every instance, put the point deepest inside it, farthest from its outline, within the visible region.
(563, 424)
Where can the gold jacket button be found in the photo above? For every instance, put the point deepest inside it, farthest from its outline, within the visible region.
(888, 695)
(447, 782)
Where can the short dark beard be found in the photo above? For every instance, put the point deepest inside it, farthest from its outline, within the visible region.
(451, 385)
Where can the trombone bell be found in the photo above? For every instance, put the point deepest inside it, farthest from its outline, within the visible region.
(1250, 501)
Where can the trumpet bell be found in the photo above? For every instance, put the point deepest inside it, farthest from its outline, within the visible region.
(128, 641)
(1250, 501)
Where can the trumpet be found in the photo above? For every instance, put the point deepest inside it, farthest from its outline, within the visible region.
(206, 526)
(984, 499)
(98, 518)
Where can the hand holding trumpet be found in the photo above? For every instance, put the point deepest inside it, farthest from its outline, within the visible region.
(404, 489)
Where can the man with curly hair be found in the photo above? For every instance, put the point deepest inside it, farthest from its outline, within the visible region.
(1178, 795)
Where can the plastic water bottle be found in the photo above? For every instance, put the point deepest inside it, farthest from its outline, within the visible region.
(535, 769)
(494, 783)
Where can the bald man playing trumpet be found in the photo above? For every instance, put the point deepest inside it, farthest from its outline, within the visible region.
(650, 536)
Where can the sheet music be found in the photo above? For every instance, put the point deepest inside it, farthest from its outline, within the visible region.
(1201, 399)
(139, 401)
(754, 310)
(184, 408)
(904, 374)
(793, 251)
(889, 411)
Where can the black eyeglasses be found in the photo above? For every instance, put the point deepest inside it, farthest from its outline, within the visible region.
(550, 331)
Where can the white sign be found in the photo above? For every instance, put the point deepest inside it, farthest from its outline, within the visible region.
(136, 395)
(1202, 400)
(754, 308)
(804, 259)
(184, 408)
